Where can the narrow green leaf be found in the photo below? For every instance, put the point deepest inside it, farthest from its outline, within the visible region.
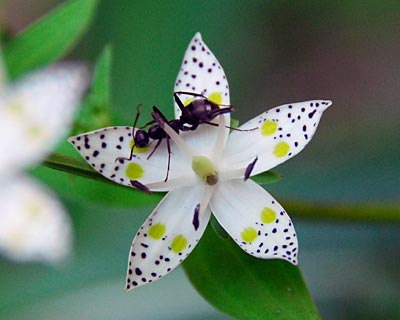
(370, 212)
(101, 88)
(267, 177)
(49, 38)
(95, 110)
(373, 212)
(245, 287)
(234, 123)
(109, 193)
(73, 165)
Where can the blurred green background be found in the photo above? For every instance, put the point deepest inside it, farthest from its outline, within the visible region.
(273, 52)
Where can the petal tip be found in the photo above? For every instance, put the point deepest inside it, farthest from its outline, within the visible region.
(197, 35)
(128, 288)
(328, 103)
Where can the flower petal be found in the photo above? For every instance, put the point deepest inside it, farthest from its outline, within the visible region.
(201, 73)
(36, 112)
(280, 134)
(102, 148)
(167, 237)
(255, 220)
(33, 224)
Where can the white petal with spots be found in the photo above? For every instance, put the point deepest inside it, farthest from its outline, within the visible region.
(36, 111)
(33, 224)
(201, 73)
(167, 237)
(102, 148)
(280, 134)
(255, 220)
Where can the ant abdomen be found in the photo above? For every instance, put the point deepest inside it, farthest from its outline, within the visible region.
(141, 138)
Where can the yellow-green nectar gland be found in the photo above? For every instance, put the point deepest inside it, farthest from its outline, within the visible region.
(205, 169)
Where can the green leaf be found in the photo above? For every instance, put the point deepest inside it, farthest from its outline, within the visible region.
(101, 88)
(370, 212)
(234, 123)
(95, 110)
(267, 177)
(73, 165)
(245, 287)
(108, 193)
(49, 38)
(378, 212)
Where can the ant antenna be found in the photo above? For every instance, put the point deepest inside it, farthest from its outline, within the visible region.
(133, 135)
(159, 117)
(199, 95)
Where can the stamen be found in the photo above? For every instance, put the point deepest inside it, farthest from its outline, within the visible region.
(140, 186)
(219, 145)
(195, 221)
(172, 183)
(201, 207)
(228, 174)
(249, 169)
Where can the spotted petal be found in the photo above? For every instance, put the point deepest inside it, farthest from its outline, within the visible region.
(36, 112)
(201, 73)
(279, 134)
(255, 220)
(105, 149)
(33, 224)
(167, 237)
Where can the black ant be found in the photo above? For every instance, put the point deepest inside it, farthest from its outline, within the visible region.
(197, 112)
(141, 137)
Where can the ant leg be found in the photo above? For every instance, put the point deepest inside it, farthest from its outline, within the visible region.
(209, 123)
(155, 148)
(229, 127)
(237, 129)
(169, 159)
(147, 124)
(198, 95)
(194, 94)
(133, 135)
(218, 112)
(178, 101)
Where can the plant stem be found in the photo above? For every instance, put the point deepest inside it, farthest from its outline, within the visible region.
(363, 212)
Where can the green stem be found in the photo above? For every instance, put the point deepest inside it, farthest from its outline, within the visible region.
(370, 212)
(73, 165)
(365, 212)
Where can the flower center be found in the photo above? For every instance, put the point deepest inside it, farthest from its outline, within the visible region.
(205, 169)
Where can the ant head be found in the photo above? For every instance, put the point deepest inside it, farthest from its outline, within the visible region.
(175, 124)
(187, 115)
(203, 109)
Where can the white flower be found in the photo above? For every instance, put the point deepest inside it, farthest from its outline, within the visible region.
(207, 172)
(35, 112)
